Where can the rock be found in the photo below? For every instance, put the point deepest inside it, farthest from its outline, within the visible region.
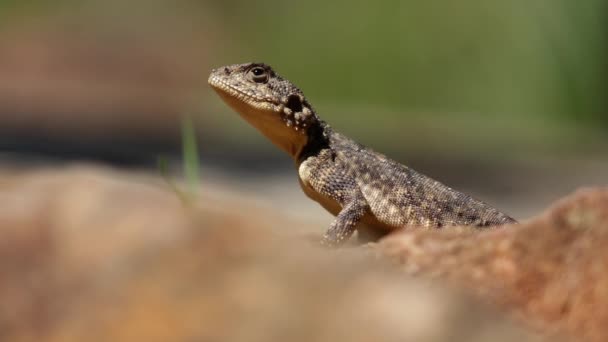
(100, 255)
(551, 272)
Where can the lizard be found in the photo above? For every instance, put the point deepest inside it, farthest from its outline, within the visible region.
(359, 186)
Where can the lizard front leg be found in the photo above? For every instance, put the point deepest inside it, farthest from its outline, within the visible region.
(344, 225)
(327, 181)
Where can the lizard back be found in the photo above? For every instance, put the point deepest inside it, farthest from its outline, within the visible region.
(399, 196)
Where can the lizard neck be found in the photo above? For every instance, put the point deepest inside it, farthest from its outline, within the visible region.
(281, 125)
(297, 140)
(317, 140)
(286, 138)
(299, 132)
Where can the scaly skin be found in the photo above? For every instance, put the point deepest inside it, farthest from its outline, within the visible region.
(357, 185)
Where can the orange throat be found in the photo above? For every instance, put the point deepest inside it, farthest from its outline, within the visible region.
(269, 123)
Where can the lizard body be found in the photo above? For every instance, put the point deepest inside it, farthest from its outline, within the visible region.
(353, 182)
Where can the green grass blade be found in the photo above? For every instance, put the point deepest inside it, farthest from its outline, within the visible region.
(190, 155)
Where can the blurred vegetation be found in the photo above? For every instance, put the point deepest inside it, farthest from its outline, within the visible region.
(190, 154)
(516, 74)
(519, 57)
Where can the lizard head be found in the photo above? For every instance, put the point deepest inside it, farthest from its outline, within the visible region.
(267, 101)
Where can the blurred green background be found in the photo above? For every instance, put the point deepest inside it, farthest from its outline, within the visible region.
(480, 74)
(474, 92)
(479, 77)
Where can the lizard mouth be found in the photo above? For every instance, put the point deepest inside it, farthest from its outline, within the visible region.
(259, 102)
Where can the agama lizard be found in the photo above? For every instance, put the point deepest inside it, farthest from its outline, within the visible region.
(351, 181)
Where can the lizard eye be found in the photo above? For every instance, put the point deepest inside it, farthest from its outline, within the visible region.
(259, 75)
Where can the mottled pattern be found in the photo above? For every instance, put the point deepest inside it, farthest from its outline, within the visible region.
(399, 196)
(351, 181)
(337, 189)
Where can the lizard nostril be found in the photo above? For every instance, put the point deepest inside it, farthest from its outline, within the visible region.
(226, 71)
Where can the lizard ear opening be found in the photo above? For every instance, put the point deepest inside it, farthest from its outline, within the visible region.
(294, 103)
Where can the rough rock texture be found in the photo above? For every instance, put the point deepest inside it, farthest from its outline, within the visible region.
(90, 254)
(551, 272)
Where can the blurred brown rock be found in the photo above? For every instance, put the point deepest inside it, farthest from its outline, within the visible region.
(550, 272)
(80, 77)
(100, 255)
